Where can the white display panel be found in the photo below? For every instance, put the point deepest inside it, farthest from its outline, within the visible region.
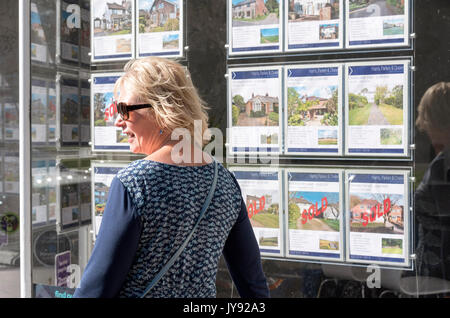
(383, 23)
(377, 214)
(105, 136)
(314, 25)
(254, 110)
(112, 30)
(38, 111)
(262, 193)
(313, 109)
(159, 28)
(377, 107)
(255, 27)
(314, 205)
(102, 175)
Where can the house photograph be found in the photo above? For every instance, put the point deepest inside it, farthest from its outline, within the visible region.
(367, 213)
(312, 10)
(262, 207)
(159, 15)
(302, 203)
(112, 18)
(312, 106)
(255, 12)
(257, 110)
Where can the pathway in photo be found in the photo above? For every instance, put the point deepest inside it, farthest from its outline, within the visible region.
(314, 224)
(271, 19)
(376, 117)
(375, 9)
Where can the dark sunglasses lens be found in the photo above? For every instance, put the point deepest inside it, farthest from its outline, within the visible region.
(122, 110)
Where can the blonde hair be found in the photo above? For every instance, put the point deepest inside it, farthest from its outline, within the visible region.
(434, 109)
(167, 86)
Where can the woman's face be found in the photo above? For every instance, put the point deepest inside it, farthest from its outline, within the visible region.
(141, 127)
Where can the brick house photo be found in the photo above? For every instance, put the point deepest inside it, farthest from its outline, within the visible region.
(249, 9)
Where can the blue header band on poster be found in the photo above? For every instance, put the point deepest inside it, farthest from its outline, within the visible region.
(330, 150)
(106, 80)
(119, 56)
(315, 254)
(312, 45)
(313, 177)
(369, 150)
(175, 53)
(263, 250)
(36, 82)
(316, 71)
(376, 69)
(255, 175)
(256, 48)
(256, 149)
(374, 258)
(382, 41)
(254, 74)
(378, 178)
(107, 170)
(111, 147)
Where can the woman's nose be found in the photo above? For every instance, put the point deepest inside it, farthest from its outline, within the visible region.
(119, 122)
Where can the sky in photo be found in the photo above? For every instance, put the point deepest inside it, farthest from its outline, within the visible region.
(317, 91)
(269, 32)
(313, 197)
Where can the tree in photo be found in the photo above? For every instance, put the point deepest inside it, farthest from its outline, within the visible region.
(330, 118)
(272, 6)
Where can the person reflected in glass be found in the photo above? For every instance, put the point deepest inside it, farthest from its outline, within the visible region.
(432, 196)
(154, 202)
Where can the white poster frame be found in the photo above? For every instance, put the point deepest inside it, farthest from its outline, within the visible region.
(113, 57)
(317, 47)
(229, 112)
(406, 215)
(406, 110)
(281, 228)
(342, 252)
(340, 109)
(258, 51)
(180, 33)
(107, 148)
(405, 36)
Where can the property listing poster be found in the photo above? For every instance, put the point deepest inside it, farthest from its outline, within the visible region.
(11, 121)
(112, 30)
(85, 112)
(255, 26)
(313, 114)
(102, 176)
(377, 23)
(315, 219)
(39, 46)
(39, 201)
(52, 189)
(38, 111)
(159, 28)
(85, 42)
(85, 200)
(69, 32)
(314, 25)
(262, 196)
(70, 207)
(377, 108)
(51, 112)
(377, 217)
(106, 136)
(254, 110)
(70, 111)
(11, 173)
(2, 176)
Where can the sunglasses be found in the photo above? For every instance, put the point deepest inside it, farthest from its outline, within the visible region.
(123, 109)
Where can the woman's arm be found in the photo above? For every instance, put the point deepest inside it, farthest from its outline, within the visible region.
(241, 252)
(115, 247)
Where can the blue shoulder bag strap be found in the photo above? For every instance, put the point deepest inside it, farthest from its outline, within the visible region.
(182, 247)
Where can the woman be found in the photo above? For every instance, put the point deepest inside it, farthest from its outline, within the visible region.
(432, 199)
(154, 202)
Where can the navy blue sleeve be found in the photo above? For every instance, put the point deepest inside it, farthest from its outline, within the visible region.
(115, 247)
(241, 252)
